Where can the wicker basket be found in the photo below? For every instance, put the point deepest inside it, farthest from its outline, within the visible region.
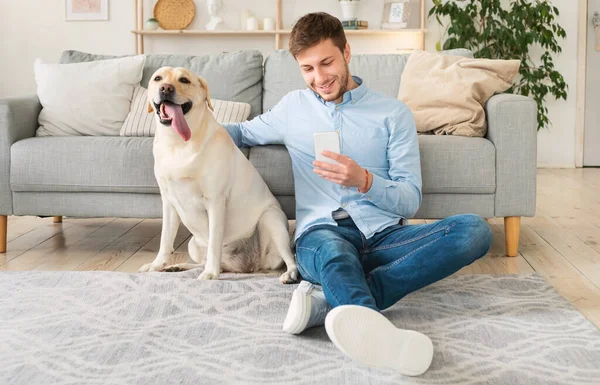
(174, 14)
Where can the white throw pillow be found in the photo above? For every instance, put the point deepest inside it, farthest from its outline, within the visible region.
(141, 123)
(88, 98)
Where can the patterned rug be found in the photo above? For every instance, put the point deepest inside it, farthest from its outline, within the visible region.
(167, 328)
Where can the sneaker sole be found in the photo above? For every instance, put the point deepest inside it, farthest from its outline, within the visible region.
(369, 338)
(298, 313)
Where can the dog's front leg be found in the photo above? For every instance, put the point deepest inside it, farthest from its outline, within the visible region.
(170, 226)
(215, 209)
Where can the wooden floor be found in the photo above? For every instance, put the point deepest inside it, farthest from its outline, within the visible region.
(562, 242)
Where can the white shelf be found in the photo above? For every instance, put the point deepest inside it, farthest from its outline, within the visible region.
(279, 33)
(262, 32)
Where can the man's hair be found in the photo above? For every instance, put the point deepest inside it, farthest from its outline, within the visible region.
(314, 28)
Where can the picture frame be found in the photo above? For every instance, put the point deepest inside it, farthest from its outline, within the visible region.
(396, 14)
(82, 10)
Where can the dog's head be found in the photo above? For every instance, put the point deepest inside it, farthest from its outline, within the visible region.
(174, 93)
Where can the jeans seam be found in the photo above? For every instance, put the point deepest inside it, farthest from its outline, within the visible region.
(386, 247)
(306, 248)
(305, 274)
(331, 291)
(393, 264)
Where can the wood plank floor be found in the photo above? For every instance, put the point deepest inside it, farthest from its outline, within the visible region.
(562, 242)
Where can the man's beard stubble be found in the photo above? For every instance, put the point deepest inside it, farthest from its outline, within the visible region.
(343, 85)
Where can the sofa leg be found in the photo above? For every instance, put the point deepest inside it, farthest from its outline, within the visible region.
(512, 228)
(3, 232)
(58, 219)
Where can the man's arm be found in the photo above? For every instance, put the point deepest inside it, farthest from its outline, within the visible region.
(402, 194)
(268, 128)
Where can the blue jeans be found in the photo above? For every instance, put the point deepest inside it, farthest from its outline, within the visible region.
(399, 260)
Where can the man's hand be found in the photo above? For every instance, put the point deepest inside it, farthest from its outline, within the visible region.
(347, 173)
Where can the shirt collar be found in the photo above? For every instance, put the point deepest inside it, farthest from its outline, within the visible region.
(349, 96)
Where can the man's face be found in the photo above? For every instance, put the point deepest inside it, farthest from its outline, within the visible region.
(325, 70)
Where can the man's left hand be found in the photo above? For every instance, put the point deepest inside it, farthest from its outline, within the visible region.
(347, 173)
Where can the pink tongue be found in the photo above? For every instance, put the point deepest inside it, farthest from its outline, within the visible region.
(178, 122)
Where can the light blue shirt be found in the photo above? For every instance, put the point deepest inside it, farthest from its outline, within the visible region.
(376, 131)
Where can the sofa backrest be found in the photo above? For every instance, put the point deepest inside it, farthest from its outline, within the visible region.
(380, 72)
(235, 76)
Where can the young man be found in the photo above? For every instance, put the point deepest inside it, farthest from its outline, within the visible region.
(354, 249)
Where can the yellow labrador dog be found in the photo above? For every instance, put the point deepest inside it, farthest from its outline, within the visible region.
(207, 184)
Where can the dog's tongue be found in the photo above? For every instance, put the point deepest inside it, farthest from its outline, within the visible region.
(178, 122)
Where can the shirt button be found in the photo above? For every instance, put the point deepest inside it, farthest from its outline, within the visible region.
(343, 205)
(337, 107)
(369, 198)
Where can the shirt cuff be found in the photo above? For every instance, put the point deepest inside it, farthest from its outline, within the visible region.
(375, 193)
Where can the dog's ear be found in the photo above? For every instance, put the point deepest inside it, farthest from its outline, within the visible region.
(150, 108)
(204, 85)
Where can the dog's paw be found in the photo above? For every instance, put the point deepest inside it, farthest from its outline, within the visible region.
(289, 276)
(152, 267)
(207, 275)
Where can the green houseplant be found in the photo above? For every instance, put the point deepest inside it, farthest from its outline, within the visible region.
(525, 30)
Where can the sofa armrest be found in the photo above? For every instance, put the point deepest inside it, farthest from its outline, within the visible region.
(18, 120)
(512, 128)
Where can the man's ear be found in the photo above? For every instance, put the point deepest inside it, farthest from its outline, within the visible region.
(150, 108)
(347, 53)
(204, 85)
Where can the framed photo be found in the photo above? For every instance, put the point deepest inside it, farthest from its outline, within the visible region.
(76, 10)
(396, 14)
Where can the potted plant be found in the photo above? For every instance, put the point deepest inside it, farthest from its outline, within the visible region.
(493, 31)
(349, 9)
(152, 24)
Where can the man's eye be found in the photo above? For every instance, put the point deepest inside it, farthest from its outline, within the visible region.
(326, 64)
(185, 80)
(158, 78)
(307, 69)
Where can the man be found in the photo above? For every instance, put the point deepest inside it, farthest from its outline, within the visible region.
(354, 249)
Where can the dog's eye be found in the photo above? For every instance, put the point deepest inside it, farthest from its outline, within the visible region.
(158, 78)
(185, 80)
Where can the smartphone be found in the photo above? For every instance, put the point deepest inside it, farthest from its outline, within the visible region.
(329, 141)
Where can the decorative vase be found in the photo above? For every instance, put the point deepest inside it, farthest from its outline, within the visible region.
(349, 9)
(152, 24)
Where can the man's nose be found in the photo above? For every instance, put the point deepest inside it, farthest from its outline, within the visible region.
(166, 89)
(319, 76)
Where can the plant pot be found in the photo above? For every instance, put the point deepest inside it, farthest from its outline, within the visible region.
(152, 24)
(349, 9)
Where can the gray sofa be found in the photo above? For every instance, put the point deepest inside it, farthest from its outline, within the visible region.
(89, 176)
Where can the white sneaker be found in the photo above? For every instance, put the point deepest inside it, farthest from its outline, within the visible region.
(368, 337)
(308, 308)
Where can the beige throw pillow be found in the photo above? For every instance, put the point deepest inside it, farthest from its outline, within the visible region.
(447, 94)
(87, 98)
(141, 123)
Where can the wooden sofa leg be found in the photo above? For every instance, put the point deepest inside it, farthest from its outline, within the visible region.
(58, 219)
(512, 228)
(3, 232)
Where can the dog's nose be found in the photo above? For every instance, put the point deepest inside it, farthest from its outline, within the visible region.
(166, 89)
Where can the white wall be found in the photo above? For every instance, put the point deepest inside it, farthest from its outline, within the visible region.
(34, 28)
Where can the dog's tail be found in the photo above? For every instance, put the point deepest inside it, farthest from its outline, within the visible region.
(181, 267)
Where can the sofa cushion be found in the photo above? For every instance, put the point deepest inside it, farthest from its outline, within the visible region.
(125, 164)
(379, 72)
(448, 165)
(140, 122)
(455, 164)
(235, 76)
(75, 163)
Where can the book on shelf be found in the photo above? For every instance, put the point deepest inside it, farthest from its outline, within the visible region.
(355, 24)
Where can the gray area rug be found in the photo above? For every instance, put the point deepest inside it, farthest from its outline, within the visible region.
(167, 328)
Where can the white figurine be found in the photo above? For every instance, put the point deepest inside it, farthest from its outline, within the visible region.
(215, 21)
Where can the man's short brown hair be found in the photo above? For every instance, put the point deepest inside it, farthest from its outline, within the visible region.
(314, 28)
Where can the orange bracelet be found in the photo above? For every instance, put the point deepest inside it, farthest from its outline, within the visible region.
(364, 189)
